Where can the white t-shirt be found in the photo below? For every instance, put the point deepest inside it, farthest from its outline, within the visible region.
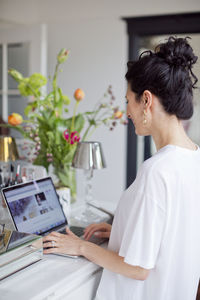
(157, 227)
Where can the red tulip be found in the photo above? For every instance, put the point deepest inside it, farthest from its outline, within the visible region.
(71, 138)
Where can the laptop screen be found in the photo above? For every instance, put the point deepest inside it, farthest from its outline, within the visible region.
(34, 206)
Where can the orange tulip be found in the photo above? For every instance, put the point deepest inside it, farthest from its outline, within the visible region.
(79, 94)
(15, 119)
(118, 114)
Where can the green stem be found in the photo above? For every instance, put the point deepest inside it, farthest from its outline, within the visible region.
(34, 92)
(18, 128)
(96, 121)
(86, 132)
(74, 115)
(88, 128)
(98, 104)
(105, 114)
(91, 133)
(54, 83)
(97, 111)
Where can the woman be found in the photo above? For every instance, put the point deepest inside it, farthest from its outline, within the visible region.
(154, 243)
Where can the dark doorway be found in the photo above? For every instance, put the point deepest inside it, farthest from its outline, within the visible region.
(139, 29)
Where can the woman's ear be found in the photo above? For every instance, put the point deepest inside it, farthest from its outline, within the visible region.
(147, 99)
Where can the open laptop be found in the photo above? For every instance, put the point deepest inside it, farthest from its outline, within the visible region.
(34, 207)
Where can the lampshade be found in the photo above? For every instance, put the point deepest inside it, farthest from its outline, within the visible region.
(8, 149)
(89, 155)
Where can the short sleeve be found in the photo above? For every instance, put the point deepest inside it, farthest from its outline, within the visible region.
(144, 229)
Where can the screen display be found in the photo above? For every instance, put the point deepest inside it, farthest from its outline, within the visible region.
(34, 206)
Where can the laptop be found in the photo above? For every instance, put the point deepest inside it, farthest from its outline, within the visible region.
(34, 207)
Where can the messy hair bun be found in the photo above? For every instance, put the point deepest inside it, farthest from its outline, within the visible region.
(178, 53)
(167, 73)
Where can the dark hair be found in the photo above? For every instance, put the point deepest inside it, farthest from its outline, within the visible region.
(167, 73)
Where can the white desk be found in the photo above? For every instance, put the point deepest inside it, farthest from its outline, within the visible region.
(54, 277)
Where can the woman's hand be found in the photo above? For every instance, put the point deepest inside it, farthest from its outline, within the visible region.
(62, 243)
(72, 245)
(101, 230)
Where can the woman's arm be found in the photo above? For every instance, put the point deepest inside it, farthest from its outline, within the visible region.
(71, 244)
(112, 261)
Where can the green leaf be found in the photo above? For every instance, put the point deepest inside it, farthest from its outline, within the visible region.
(60, 93)
(50, 135)
(34, 116)
(24, 88)
(67, 177)
(89, 113)
(41, 161)
(37, 80)
(79, 123)
(49, 97)
(57, 138)
(69, 156)
(66, 100)
(92, 122)
(28, 109)
(56, 96)
(64, 179)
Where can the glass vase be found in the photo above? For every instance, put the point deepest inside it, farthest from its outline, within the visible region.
(66, 177)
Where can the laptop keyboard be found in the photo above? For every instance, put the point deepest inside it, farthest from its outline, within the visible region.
(79, 231)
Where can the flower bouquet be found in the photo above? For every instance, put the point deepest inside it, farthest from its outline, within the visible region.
(54, 135)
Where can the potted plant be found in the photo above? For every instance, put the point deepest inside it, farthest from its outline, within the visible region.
(53, 133)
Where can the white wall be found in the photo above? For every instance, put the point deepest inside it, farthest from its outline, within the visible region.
(30, 11)
(97, 59)
(96, 36)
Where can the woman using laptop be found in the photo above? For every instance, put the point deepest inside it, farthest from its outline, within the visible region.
(154, 243)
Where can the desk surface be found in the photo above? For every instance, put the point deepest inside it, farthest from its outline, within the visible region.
(50, 278)
(47, 278)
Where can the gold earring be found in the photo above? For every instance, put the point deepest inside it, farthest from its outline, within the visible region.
(144, 119)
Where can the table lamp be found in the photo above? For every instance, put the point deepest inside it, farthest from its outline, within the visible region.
(8, 149)
(89, 157)
(8, 152)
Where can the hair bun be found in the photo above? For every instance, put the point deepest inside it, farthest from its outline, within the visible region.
(177, 52)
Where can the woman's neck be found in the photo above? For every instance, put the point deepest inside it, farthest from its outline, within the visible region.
(171, 132)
